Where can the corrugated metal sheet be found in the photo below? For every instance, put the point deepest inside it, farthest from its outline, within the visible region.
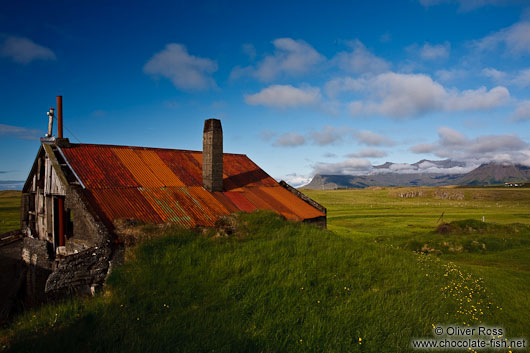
(298, 206)
(140, 171)
(162, 185)
(98, 167)
(163, 173)
(185, 167)
(241, 202)
(124, 203)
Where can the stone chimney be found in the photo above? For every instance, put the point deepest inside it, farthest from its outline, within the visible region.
(212, 155)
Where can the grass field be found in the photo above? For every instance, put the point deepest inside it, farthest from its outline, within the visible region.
(276, 286)
(9, 210)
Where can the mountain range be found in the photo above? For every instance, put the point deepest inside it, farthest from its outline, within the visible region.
(446, 172)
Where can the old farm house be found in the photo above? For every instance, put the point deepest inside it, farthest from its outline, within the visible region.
(75, 192)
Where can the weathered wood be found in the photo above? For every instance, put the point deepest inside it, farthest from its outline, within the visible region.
(55, 165)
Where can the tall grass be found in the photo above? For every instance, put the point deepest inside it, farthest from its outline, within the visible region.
(275, 287)
(278, 286)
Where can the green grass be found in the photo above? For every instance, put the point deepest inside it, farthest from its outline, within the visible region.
(277, 286)
(497, 251)
(381, 210)
(9, 211)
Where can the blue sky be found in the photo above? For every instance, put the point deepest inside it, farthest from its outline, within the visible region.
(300, 87)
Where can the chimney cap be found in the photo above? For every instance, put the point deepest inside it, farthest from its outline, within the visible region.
(212, 124)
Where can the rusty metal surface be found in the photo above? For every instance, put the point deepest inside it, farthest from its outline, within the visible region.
(163, 185)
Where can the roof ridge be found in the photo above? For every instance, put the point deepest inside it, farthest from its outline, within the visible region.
(144, 147)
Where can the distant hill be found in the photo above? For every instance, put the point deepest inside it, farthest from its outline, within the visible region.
(495, 173)
(446, 163)
(327, 182)
(486, 174)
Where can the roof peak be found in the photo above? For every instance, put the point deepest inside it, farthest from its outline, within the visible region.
(73, 145)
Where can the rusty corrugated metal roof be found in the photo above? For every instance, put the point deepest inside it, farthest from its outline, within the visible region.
(164, 185)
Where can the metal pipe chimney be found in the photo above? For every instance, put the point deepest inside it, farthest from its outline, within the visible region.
(212, 155)
(60, 116)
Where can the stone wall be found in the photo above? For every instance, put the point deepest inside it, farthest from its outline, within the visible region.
(35, 254)
(87, 227)
(82, 274)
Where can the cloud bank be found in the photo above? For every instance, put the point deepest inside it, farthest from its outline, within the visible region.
(454, 145)
(515, 39)
(291, 58)
(290, 139)
(403, 96)
(185, 71)
(20, 132)
(23, 50)
(284, 96)
(360, 60)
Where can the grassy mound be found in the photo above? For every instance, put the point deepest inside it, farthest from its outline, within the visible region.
(468, 226)
(272, 286)
(470, 236)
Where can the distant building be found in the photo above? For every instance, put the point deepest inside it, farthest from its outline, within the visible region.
(75, 193)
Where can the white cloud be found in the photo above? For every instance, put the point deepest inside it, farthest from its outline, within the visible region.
(425, 167)
(515, 38)
(290, 139)
(23, 50)
(356, 166)
(368, 153)
(405, 95)
(479, 99)
(20, 132)
(372, 139)
(522, 112)
(408, 95)
(494, 74)
(522, 78)
(296, 180)
(436, 51)
(355, 108)
(284, 96)
(186, 72)
(497, 144)
(348, 167)
(360, 60)
(519, 78)
(291, 57)
(328, 135)
(450, 137)
(451, 75)
(342, 84)
(483, 149)
(423, 148)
